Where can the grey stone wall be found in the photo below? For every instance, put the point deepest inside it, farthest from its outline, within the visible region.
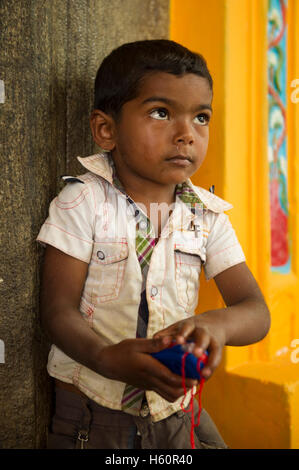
(50, 51)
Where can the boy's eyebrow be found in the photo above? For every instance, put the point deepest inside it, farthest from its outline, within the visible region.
(172, 102)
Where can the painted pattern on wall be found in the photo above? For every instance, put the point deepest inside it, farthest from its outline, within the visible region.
(277, 135)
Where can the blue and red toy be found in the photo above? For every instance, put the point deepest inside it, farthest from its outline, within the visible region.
(177, 356)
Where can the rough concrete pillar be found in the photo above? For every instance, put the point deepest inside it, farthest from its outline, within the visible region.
(50, 54)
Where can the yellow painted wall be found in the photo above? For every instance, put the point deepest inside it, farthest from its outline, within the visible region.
(258, 382)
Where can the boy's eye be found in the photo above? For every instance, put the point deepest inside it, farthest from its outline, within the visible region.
(203, 119)
(159, 113)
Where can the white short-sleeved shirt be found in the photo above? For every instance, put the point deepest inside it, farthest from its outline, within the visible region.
(90, 220)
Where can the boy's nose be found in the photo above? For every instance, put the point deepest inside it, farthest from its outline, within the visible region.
(185, 140)
(184, 136)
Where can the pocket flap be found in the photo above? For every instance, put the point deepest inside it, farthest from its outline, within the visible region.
(108, 252)
(191, 249)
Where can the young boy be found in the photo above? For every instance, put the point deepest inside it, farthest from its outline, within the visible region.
(125, 243)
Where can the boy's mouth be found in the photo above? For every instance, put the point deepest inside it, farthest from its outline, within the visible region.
(181, 160)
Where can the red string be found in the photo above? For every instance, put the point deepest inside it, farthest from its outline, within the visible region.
(191, 407)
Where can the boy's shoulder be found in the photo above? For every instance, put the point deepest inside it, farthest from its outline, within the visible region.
(211, 201)
(87, 184)
(99, 172)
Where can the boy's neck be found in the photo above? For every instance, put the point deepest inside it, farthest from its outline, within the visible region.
(155, 200)
(151, 193)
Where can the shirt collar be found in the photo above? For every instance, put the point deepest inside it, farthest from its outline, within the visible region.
(101, 165)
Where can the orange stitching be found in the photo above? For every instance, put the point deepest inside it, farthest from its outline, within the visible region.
(180, 262)
(71, 234)
(99, 396)
(116, 287)
(68, 208)
(70, 202)
(122, 242)
(221, 251)
(169, 407)
(163, 309)
(63, 250)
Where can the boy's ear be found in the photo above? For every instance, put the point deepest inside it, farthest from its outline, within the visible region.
(103, 129)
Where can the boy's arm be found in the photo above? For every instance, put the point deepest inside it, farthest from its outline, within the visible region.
(128, 361)
(245, 320)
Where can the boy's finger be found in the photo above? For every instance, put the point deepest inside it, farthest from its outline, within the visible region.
(184, 332)
(169, 393)
(201, 342)
(214, 358)
(170, 331)
(171, 380)
(154, 345)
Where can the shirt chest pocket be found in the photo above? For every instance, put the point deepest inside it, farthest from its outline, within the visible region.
(107, 270)
(188, 262)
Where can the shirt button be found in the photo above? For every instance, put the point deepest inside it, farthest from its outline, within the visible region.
(100, 255)
(144, 412)
(154, 291)
(143, 225)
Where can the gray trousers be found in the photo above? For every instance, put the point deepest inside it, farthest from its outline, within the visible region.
(79, 422)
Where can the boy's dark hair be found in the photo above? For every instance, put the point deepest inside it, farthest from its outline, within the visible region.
(121, 72)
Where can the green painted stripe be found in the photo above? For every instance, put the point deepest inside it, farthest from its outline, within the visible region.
(134, 400)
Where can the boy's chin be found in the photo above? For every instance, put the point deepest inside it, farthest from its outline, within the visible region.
(179, 177)
(178, 180)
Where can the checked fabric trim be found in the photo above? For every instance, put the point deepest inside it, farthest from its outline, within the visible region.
(145, 243)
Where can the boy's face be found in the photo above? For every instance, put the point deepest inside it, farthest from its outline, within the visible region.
(162, 135)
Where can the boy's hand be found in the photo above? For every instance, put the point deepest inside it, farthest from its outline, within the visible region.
(245, 320)
(204, 336)
(130, 361)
